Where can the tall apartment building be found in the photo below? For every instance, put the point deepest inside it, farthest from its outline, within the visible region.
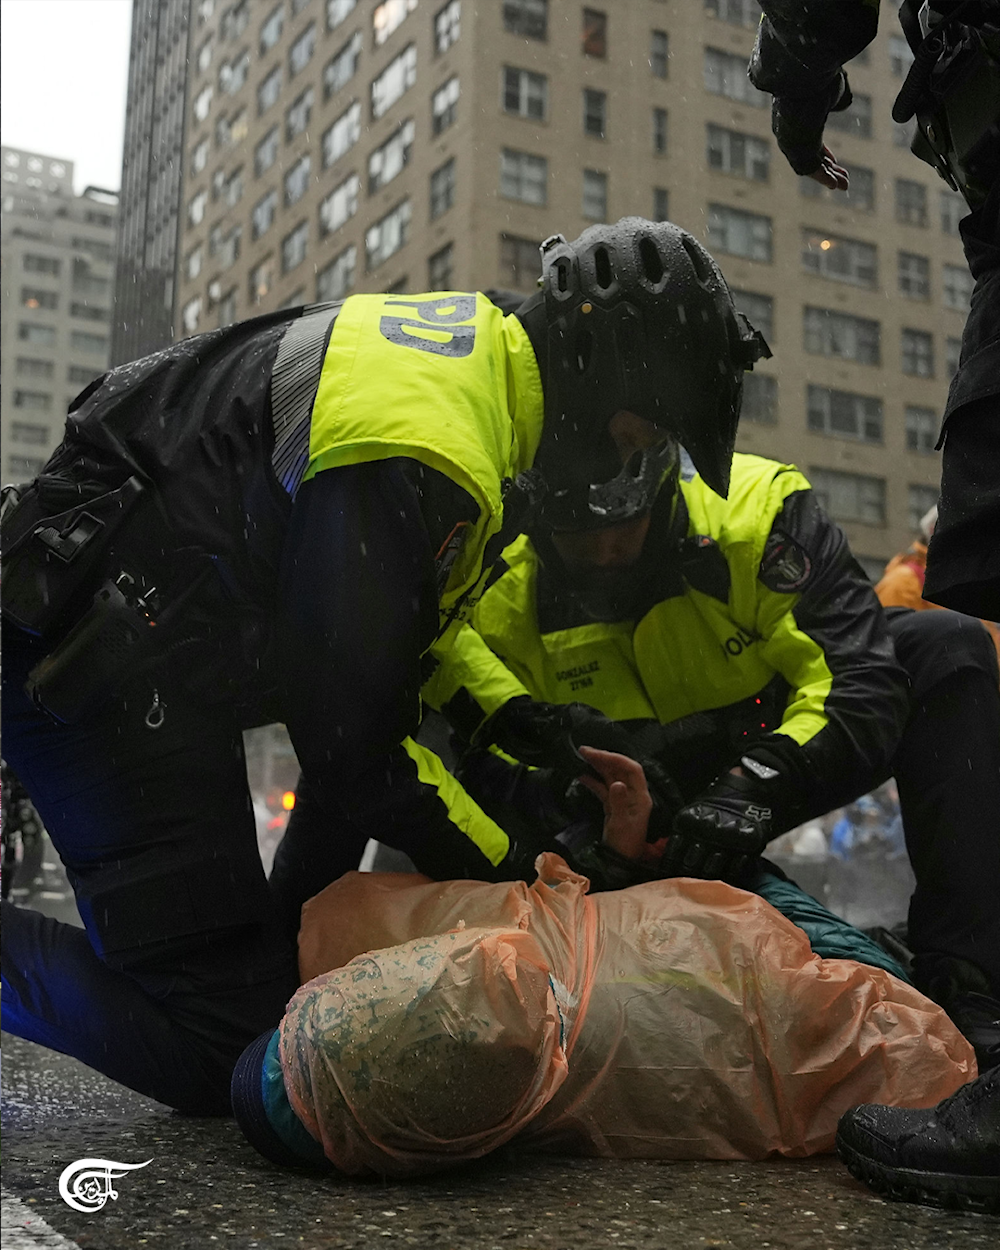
(58, 262)
(357, 145)
(152, 164)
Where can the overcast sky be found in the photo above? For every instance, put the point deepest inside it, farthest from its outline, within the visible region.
(63, 82)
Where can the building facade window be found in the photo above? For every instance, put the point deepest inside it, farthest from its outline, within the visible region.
(659, 53)
(269, 90)
(191, 315)
(732, 152)
(661, 204)
(342, 66)
(227, 308)
(298, 115)
(738, 232)
(24, 467)
(726, 75)
(911, 202)
(340, 205)
(444, 105)
(41, 264)
(958, 285)
(337, 279)
(919, 500)
(387, 236)
(28, 367)
(843, 414)
(266, 152)
(441, 269)
(93, 344)
(36, 401)
(524, 93)
(442, 188)
(900, 56)
(392, 157)
(855, 120)
(80, 374)
(760, 398)
(26, 431)
(660, 131)
(595, 113)
(204, 58)
(196, 208)
(233, 190)
(394, 81)
(235, 20)
(520, 262)
(338, 11)
(914, 276)
(759, 311)
(31, 297)
(271, 28)
(830, 333)
(294, 246)
(87, 312)
(297, 180)
(921, 428)
(342, 135)
(301, 51)
(953, 209)
(595, 195)
(447, 26)
(844, 260)
(849, 496)
(261, 281)
(523, 176)
(389, 15)
(203, 102)
(199, 156)
(529, 18)
(233, 74)
(736, 12)
(860, 194)
(595, 33)
(262, 215)
(952, 355)
(193, 262)
(917, 351)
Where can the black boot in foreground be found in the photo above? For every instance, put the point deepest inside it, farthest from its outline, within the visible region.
(945, 1156)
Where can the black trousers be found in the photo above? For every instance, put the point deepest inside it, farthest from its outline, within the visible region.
(181, 963)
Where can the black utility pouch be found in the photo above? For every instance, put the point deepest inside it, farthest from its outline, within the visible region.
(47, 558)
(97, 656)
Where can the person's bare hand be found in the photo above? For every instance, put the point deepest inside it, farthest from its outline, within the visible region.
(627, 803)
(830, 174)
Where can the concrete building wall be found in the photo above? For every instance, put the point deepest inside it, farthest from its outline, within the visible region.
(667, 69)
(56, 293)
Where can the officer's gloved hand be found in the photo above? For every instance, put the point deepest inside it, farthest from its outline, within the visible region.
(547, 735)
(719, 834)
(798, 122)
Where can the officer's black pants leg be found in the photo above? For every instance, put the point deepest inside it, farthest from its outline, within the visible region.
(948, 772)
(181, 963)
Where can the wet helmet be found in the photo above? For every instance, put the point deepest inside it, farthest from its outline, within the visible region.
(638, 319)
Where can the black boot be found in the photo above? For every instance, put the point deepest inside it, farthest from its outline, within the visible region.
(945, 1156)
(967, 996)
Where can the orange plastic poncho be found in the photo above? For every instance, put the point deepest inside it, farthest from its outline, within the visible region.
(682, 1019)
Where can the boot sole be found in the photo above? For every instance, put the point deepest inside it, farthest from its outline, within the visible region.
(936, 1189)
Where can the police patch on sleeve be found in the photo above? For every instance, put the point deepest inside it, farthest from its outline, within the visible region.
(785, 567)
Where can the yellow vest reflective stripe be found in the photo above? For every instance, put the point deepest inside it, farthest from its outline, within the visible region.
(462, 811)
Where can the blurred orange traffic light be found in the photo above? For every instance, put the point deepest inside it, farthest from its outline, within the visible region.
(288, 800)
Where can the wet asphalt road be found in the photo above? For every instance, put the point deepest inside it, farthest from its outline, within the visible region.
(205, 1187)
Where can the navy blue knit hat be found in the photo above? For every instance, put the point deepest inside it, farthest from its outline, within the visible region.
(249, 1108)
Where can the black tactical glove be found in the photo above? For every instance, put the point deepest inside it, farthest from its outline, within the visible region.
(720, 833)
(547, 735)
(798, 122)
(606, 868)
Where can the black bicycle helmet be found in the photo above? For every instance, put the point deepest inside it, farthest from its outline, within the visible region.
(638, 318)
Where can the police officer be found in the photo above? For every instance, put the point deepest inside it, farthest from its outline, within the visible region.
(953, 91)
(271, 521)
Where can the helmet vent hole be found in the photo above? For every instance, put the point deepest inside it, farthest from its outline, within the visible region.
(652, 265)
(602, 264)
(562, 276)
(699, 259)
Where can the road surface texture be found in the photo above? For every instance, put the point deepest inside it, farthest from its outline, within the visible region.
(205, 1188)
